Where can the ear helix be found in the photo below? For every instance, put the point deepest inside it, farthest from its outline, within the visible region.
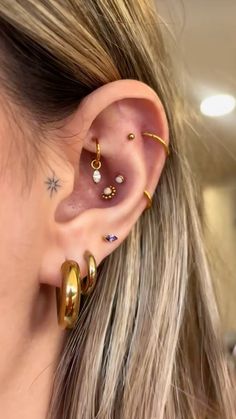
(68, 296)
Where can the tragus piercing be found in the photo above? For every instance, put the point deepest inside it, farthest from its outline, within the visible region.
(109, 192)
(96, 164)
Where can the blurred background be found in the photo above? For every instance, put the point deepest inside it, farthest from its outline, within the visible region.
(204, 34)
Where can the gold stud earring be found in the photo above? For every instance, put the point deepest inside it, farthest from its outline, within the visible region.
(96, 164)
(159, 140)
(87, 285)
(131, 136)
(109, 192)
(68, 295)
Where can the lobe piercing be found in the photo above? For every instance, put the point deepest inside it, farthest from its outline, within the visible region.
(109, 192)
(110, 238)
(96, 164)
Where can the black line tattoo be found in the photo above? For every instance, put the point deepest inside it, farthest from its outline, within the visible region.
(53, 184)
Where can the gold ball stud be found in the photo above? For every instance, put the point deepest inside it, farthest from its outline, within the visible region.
(131, 136)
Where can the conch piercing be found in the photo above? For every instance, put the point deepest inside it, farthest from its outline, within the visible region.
(68, 296)
(120, 179)
(96, 164)
(109, 192)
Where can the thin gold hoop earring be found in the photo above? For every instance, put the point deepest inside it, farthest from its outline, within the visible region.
(68, 295)
(159, 140)
(149, 199)
(96, 164)
(88, 284)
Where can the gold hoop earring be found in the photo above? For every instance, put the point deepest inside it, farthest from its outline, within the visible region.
(159, 140)
(96, 164)
(149, 199)
(89, 283)
(69, 295)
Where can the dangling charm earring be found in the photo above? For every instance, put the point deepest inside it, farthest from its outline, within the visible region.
(96, 164)
(68, 295)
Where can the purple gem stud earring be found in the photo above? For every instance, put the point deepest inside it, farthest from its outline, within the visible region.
(110, 238)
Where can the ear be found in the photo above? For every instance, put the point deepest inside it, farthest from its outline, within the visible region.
(79, 217)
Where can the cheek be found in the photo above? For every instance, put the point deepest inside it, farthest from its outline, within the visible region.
(21, 229)
(21, 237)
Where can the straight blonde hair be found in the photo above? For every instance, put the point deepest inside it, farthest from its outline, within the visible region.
(147, 342)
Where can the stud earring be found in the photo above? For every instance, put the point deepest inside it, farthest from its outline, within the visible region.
(110, 238)
(131, 136)
(120, 179)
(109, 192)
(159, 140)
(96, 164)
(68, 295)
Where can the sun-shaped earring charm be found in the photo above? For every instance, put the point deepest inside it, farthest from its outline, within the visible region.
(109, 192)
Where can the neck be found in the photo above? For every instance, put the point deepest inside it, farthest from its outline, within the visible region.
(30, 344)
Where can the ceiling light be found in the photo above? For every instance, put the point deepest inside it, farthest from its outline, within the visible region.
(218, 105)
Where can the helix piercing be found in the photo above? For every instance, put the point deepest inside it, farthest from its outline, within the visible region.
(159, 140)
(149, 199)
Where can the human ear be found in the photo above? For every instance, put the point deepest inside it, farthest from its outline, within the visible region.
(80, 217)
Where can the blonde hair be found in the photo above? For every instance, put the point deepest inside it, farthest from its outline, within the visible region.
(147, 341)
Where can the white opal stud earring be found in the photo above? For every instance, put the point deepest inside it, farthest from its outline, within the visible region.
(120, 179)
(109, 192)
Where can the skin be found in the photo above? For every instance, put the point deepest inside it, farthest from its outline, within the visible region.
(41, 227)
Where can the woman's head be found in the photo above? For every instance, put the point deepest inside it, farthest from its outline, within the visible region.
(72, 72)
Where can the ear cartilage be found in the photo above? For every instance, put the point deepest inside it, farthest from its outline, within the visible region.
(131, 136)
(110, 238)
(120, 179)
(109, 192)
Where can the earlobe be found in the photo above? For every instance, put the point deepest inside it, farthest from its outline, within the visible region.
(124, 146)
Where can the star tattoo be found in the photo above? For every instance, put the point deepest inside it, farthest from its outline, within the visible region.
(53, 184)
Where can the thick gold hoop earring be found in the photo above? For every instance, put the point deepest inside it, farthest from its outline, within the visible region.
(159, 140)
(89, 282)
(69, 295)
(149, 199)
